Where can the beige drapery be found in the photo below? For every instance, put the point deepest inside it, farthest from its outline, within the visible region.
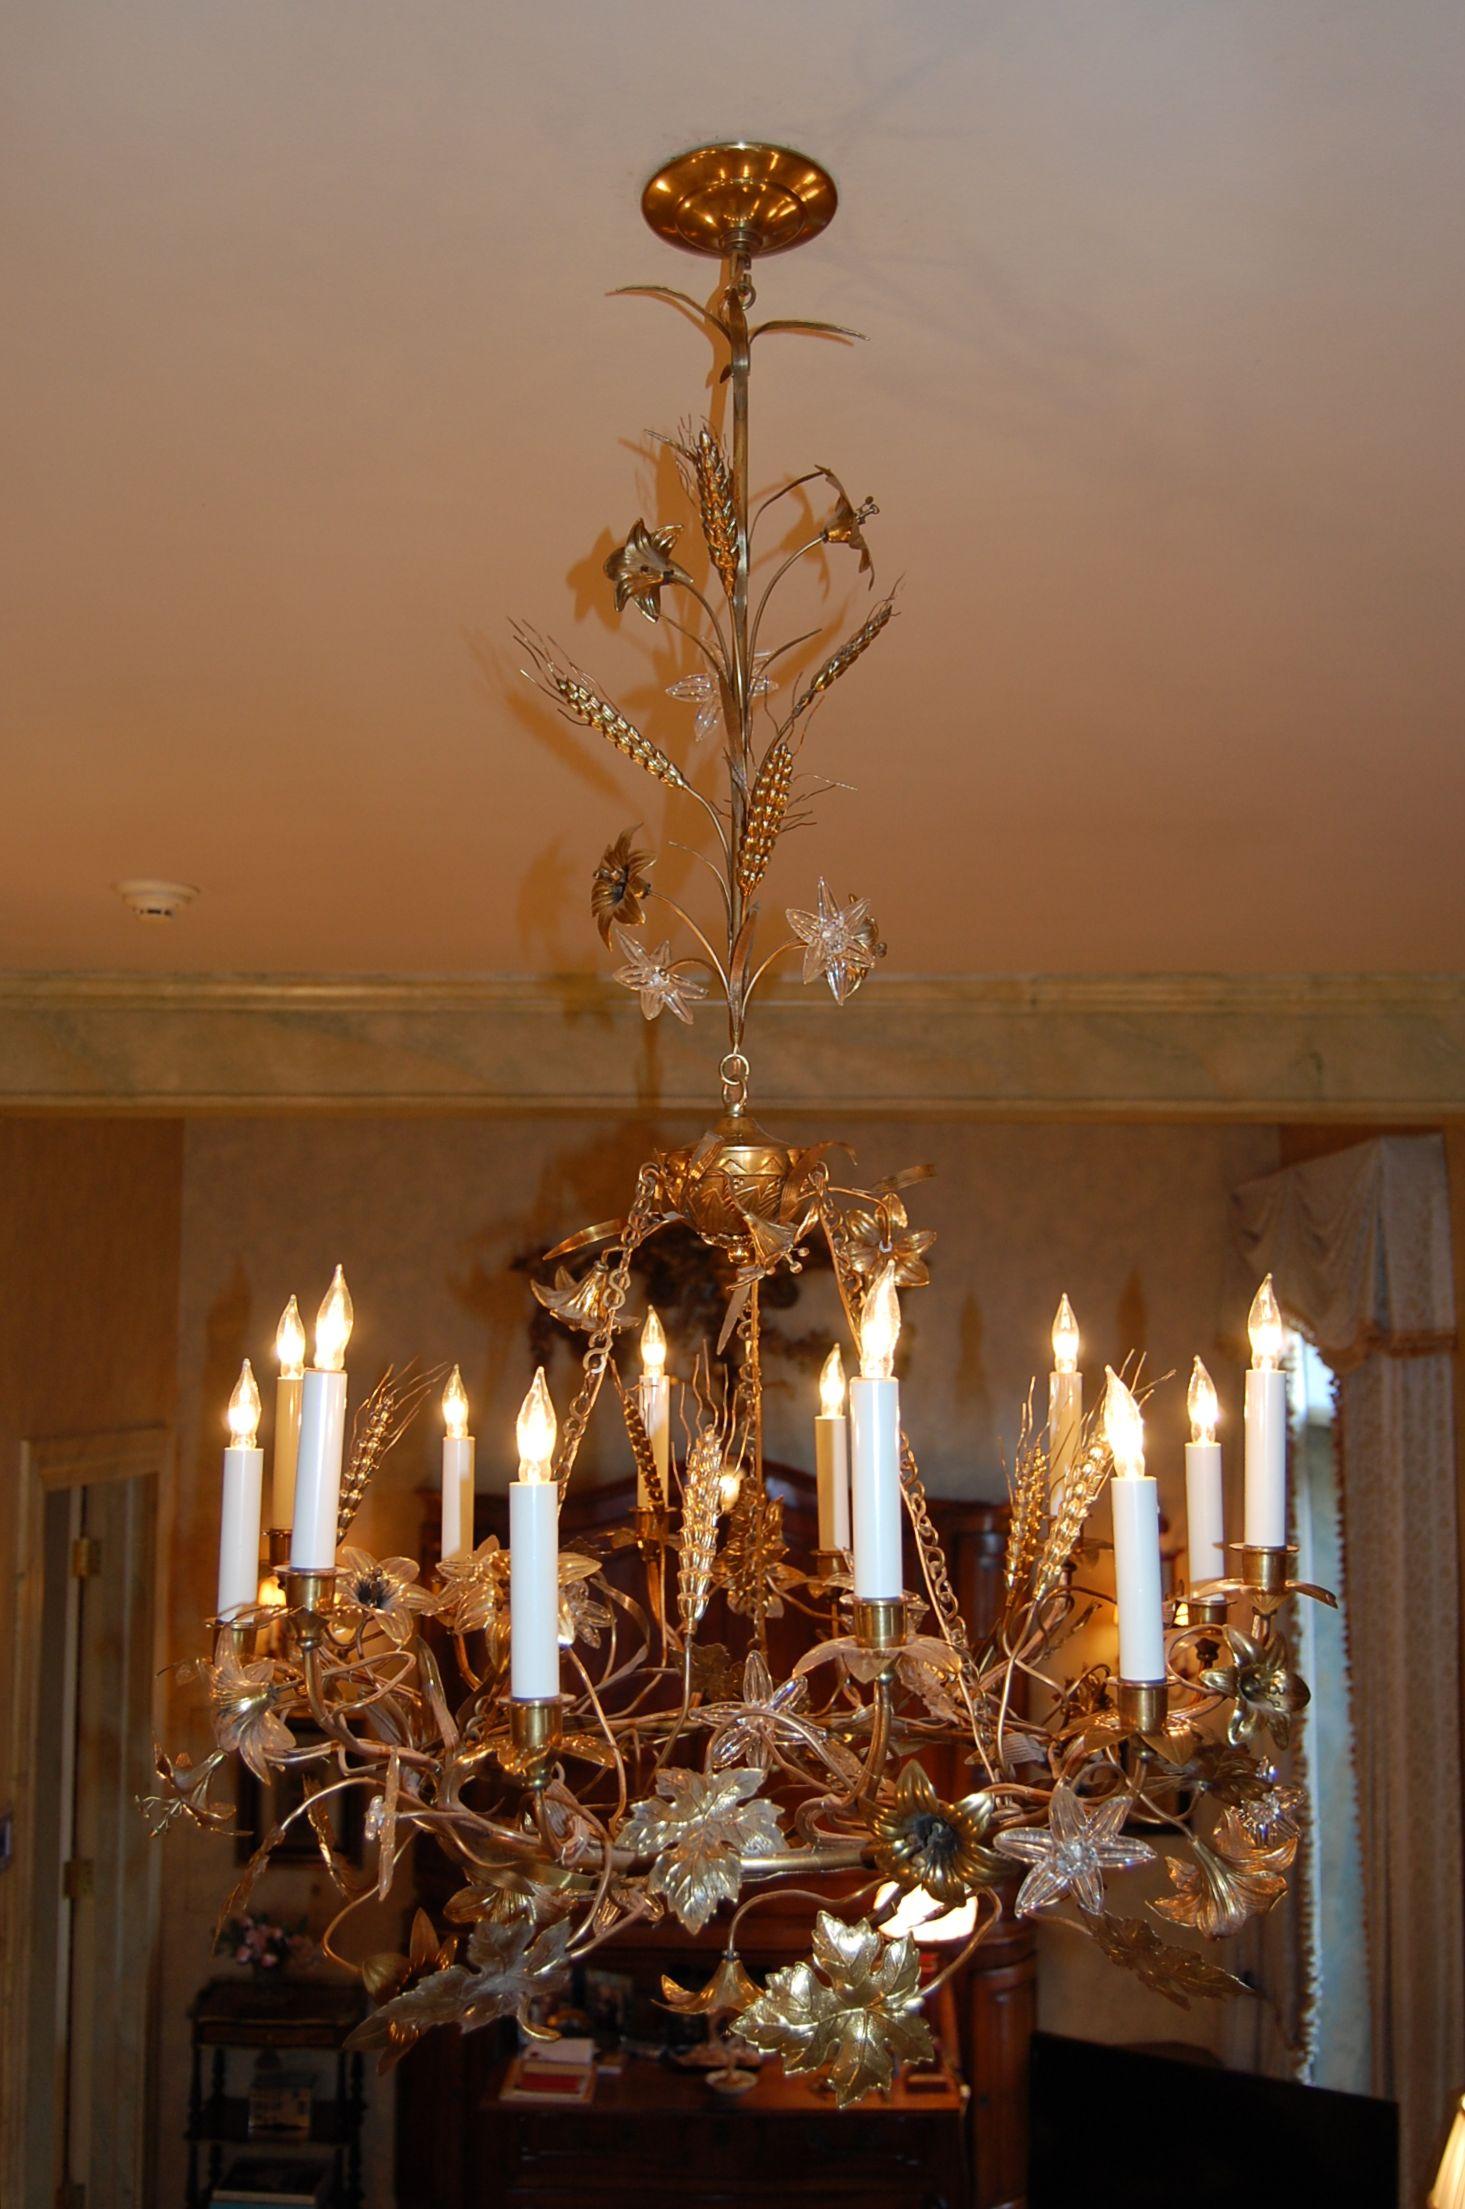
(1359, 1245)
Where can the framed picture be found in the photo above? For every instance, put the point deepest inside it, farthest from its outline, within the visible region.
(264, 1805)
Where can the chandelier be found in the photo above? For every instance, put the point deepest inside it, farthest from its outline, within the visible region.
(585, 1758)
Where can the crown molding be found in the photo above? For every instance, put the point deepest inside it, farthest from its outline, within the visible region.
(1212, 1046)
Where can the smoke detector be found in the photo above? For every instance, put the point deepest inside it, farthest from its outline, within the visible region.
(155, 900)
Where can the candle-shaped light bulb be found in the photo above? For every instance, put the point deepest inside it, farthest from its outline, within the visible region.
(729, 1487)
(536, 1431)
(1124, 1427)
(880, 1327)
(1065, 1338)
(455, 1406)
(1264, 1325)
(1200, 1402)
(832, 1385)
(244, 1410)
(333, 1323)
(653, 1346)
(290, 1342)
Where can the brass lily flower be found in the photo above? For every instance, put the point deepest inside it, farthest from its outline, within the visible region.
(884, 1236)
(925, 1842)
(380, 1592)
(1265, 1688)
(618, 887)
(641, 568)
(846, 525)
(243, 1698)
(474, 1589)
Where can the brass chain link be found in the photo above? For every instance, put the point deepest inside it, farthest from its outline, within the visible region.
(640, 1221)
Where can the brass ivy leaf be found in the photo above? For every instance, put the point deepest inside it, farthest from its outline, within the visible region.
(856, 2022)
(1177, 1973)
(699, 1831)
(1215, 1897)
(508, 1965)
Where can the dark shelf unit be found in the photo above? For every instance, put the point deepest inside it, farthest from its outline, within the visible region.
(293, 2016)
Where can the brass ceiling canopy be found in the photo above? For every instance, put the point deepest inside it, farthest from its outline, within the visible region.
(740, 198)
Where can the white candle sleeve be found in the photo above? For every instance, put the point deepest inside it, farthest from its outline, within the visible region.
(1136, 1506)
(831, 1469)
(874, 1411)
(655, 1409)
(318, 1471)
(1205, 1513)
(458, 1455)
(534, 1590)
(1065, 1419)
(1266, 1459)
(239, 1530)
(287, 1449)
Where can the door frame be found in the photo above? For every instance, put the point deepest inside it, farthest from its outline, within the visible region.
(49, 1465)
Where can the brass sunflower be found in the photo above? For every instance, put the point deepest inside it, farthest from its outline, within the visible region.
(922, 1841)
(619, 886)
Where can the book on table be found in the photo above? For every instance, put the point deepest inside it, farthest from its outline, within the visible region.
(283, 2182)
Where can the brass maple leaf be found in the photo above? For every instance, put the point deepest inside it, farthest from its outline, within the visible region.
(856, 2022)
(699, 1831)
(1177, 1973)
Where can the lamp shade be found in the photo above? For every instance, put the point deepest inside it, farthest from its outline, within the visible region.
(1448, 2190)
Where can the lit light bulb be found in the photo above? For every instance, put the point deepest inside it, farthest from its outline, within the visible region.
(1124, 1429)
(729, 1486)
(244, 1410)
(1065, 1338)
(333, 1323)
(290, 1342)
(653, 1346)
(455, 1406)
(831, 1385)
(536, 1430)
(921, 1916)
(1200, 1402)
(880, 1327)
(1264, 1325)
(271, 1595)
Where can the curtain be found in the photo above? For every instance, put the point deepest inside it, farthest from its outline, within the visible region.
(1359, 1245)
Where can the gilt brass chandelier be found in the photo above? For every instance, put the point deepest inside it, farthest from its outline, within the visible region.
(586, 1758)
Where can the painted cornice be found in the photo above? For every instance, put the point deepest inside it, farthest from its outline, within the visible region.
(1297, 1047)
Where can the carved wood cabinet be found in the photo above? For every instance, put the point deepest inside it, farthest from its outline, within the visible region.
(657, 2134)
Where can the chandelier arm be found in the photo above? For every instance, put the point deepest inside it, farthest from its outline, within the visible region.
(686, 919)
(772, 585)
(984, 1926)
(622, 1791)
(792, 944)
(718, 660)
(702, 860)
(795, 484)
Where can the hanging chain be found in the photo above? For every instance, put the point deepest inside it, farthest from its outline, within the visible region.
(640, 1221)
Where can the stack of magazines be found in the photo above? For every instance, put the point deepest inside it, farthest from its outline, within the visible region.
(287, 2182)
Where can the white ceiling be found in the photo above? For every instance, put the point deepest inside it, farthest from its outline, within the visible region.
(311, 383)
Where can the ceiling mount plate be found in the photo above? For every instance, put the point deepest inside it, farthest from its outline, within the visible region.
(751, 199)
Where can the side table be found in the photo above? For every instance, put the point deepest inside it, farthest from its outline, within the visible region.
(295, 2014)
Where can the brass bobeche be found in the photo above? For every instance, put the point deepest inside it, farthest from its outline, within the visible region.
(879, 1622)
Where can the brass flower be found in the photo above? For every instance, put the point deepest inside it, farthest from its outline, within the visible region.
(925, 1842)
(579, 1304)
(582, 1614)
(380, 1592)
(185, 1794)
(727, 1992)
(642, 567)
(846, 525)
(243, 1698)
(618, 887)
(882, 1236)
(1265, 1688)
(856, 2021)
(1215, 1895)
(474, 1589)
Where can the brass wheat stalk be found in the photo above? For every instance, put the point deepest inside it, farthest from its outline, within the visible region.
(767, 805)
(717, 506)
(570, 688)
(839, 662)
(700, 1491)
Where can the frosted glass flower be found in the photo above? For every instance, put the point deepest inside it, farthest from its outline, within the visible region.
(702, 691)
(1073, 1851)
(659, 984)
(841, 942)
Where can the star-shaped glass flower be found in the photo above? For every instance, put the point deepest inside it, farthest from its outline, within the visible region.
(1073, 1851)
(661, 984)
(702, 690)
(841, 942)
